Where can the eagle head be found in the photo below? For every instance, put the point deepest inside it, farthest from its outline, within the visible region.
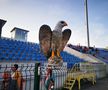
(60, 25)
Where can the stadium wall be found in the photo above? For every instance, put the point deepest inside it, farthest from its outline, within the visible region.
(107, 69)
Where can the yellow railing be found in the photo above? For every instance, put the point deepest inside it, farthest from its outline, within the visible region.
(76, 75)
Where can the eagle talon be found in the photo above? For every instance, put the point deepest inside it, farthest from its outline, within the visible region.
(52, 55)
(58, 53)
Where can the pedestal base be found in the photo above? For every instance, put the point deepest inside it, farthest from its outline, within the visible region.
(56, 61)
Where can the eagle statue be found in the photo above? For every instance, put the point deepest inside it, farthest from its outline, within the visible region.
(53, 42)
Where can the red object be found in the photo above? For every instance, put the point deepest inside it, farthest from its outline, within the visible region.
(6, 75)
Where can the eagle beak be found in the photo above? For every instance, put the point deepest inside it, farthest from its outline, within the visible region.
(65, 24)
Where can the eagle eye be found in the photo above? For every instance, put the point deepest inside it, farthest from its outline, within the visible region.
(62, 22)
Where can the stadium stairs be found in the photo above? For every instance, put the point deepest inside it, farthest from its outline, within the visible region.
(81, 71)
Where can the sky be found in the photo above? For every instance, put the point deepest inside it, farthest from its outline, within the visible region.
(31, 14)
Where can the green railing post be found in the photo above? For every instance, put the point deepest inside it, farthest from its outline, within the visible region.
(37, 76)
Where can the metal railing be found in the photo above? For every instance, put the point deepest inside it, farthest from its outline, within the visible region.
(33, 75)
(27, 76)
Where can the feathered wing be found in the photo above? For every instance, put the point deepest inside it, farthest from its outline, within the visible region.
(45, 35)
(65, 37)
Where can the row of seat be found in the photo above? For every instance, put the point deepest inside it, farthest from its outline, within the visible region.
(103, 53)
(11, 50)
(71, 59)
(100, 53)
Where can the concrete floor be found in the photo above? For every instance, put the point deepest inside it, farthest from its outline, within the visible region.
(101, 84)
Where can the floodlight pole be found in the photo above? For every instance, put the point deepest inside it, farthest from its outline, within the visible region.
(86, 20)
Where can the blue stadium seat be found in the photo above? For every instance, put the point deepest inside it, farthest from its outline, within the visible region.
(18, 50)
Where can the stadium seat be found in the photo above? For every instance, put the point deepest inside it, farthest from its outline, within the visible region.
(26, 51)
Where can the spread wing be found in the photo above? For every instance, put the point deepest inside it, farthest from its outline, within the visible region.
(45, 35)
(65, 37)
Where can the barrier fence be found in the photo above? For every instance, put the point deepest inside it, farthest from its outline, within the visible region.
(33, 76)
(36, 76)
(23, 76)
